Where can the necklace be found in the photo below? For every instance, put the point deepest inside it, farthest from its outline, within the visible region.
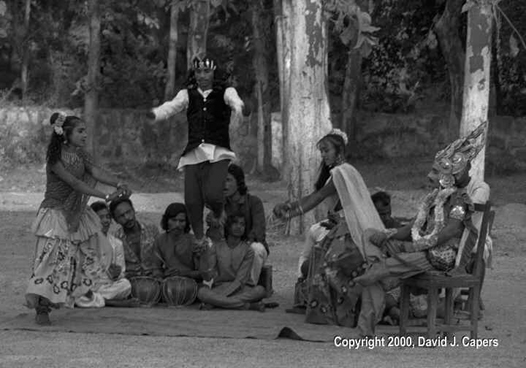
(438, 198)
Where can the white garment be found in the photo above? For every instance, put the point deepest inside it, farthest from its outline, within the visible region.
(479, 192)
(205, 151)
(110, 252)
(358, 207)
(314, 236)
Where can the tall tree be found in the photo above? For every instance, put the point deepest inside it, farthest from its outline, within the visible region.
(448, 31)
(26, 48)
(261, 25)
(308, 117)
(477, 73)
(91, 101)
(198, 31)
(172, 50)
(283, 21)
(357, 37)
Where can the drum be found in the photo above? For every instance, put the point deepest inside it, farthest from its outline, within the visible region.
(179, 291)
(146, 289)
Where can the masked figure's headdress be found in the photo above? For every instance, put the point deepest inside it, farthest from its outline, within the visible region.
(204, 63)
(455, 157)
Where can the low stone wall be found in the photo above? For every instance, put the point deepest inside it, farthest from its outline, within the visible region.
(124, 137)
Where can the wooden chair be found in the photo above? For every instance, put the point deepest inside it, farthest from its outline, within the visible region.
(434, 281)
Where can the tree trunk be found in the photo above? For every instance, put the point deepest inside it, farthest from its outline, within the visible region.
(261, 23)
(352, 81)
(477, 76)
(172, 54)
(447, 29)
(91, 101)
(283, 21)
(496, 66)
(26, 49)
(308, 117)
(198, 31)
(351, 88)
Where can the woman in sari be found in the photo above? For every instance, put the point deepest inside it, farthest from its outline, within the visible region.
(334, 262)
(66, 261)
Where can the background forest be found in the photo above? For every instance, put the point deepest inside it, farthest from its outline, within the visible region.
(406, 70)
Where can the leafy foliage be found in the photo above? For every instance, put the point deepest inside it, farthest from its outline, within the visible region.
(406, 59)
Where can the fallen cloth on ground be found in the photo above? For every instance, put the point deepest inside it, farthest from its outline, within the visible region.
(182, 321)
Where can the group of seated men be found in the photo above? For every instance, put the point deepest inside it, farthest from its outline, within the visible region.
(226, 274)
(229, 269)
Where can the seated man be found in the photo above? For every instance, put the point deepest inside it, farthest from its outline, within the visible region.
(228, 283)
(175, 250)
(137, 238)
(111, 286)
(238, 200)
(432, 241)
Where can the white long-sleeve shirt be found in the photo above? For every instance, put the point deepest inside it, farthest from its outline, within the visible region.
(205, 151)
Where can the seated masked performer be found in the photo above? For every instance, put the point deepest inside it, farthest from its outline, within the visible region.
(111, 286)
(228, 284)
(433, 240)
(175, 250)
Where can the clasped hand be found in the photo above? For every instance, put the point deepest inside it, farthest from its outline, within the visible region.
(122, 192)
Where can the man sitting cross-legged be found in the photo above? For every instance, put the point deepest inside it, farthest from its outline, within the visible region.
(228, 283)
(176, 251)
(111, 288)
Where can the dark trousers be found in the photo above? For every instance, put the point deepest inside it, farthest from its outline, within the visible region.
(203, 185)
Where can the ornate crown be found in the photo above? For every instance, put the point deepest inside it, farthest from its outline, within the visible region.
(205, 63)
(455, 157)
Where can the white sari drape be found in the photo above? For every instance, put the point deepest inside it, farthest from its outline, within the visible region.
(359, 210)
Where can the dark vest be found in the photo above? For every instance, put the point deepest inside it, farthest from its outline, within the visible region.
(208, 119)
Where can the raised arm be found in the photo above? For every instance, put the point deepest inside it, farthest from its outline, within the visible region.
(233, 100)
(306, 203)
(170, 108)
(78, 185)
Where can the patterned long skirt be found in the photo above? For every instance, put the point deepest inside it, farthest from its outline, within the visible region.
(333, 296)
(66, 264)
